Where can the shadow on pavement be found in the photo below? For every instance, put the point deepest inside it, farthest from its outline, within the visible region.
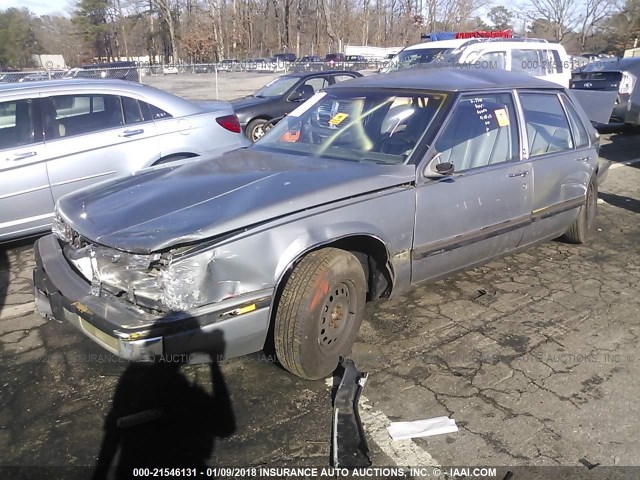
(623, 147)
(159, 419)
(621, 201)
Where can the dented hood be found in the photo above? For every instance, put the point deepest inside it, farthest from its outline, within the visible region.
(162, 207)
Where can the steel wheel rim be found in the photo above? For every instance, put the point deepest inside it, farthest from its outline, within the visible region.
(336, 315)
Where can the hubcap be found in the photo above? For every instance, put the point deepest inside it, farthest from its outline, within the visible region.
(335, 316)
(258, 133)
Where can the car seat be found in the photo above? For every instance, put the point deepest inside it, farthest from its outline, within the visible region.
(52, 127)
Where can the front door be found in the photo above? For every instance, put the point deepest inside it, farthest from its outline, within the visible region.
(477, 212)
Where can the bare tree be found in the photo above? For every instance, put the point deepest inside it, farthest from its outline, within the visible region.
(167, 9)
(562, 15)
(594, 11)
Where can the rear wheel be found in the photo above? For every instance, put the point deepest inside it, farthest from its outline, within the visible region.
(319, 313)
(256, 129)
(579, 231)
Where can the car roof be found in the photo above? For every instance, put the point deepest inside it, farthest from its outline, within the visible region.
(453, 43)
(319, 74)
(161, 99)
(506, 42)
(449, 79)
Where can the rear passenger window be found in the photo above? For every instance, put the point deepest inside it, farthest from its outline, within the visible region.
(547, 126)
(580, 135)
(69, 115)
(342, 78)
(158, 113)
(131, 109)
(15, 124)
(527, 61)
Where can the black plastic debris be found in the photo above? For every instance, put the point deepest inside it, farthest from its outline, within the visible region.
(588, 464)
(348, 440)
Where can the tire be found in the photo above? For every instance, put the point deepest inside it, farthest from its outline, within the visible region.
(579, 230)
(319, 313)
(255, 131)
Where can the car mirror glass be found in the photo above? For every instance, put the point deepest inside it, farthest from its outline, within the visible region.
(438, 169)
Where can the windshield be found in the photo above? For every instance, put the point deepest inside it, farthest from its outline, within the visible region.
(277, 87)
(415, 58)
(372, 127)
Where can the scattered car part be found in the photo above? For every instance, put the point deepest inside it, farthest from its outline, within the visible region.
(348, 439)
(422, 428)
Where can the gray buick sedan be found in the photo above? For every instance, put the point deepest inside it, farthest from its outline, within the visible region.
(368, 188)
(59, 136)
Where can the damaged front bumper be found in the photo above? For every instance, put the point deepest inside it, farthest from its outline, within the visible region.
(135, 334)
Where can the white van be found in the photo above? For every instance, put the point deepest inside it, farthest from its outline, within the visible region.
(538, 58)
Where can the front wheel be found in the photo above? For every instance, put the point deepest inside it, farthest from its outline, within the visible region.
(579, 230)
(319, 313)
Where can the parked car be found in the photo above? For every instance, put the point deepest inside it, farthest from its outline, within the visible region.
(355, 62)
(204, 68)
(170, 70)
(113, 70)
(281, 96)
(619, 78)
(534, 57)
(334, 60)
(285, 57)
(38, 76)
(57, 136)
(228, 65)
(309, 63)
(372, 186)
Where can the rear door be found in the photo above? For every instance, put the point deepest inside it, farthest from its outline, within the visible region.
(26, 204)
(94, 137)
(563, 162)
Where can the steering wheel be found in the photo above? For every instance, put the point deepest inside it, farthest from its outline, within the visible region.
(397, 144)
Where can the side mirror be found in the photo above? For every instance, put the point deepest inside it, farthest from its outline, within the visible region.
(445, 168)
(438, 169)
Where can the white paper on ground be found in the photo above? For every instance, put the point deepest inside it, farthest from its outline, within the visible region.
(422, 428)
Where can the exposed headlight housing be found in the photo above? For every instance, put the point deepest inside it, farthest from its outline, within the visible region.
(178, 280)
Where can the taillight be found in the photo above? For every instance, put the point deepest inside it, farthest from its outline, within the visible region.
(229, 122)
(627, 82)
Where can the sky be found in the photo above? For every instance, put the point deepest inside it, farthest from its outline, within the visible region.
(39, 7)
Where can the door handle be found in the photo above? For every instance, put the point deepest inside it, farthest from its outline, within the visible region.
(583, 159)
(131, 133)
(20, 156)
(520, 174)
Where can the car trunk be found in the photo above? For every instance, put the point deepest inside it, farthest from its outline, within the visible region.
(596, 80)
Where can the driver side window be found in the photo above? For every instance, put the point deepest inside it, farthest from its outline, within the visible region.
(481, 131)
(307, 89)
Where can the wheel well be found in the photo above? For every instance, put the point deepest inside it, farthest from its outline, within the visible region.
(372, 254)
(175, 156)
(259, 117)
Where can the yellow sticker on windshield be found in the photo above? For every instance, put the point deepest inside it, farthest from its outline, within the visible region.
(338, 118)
(502, 117)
